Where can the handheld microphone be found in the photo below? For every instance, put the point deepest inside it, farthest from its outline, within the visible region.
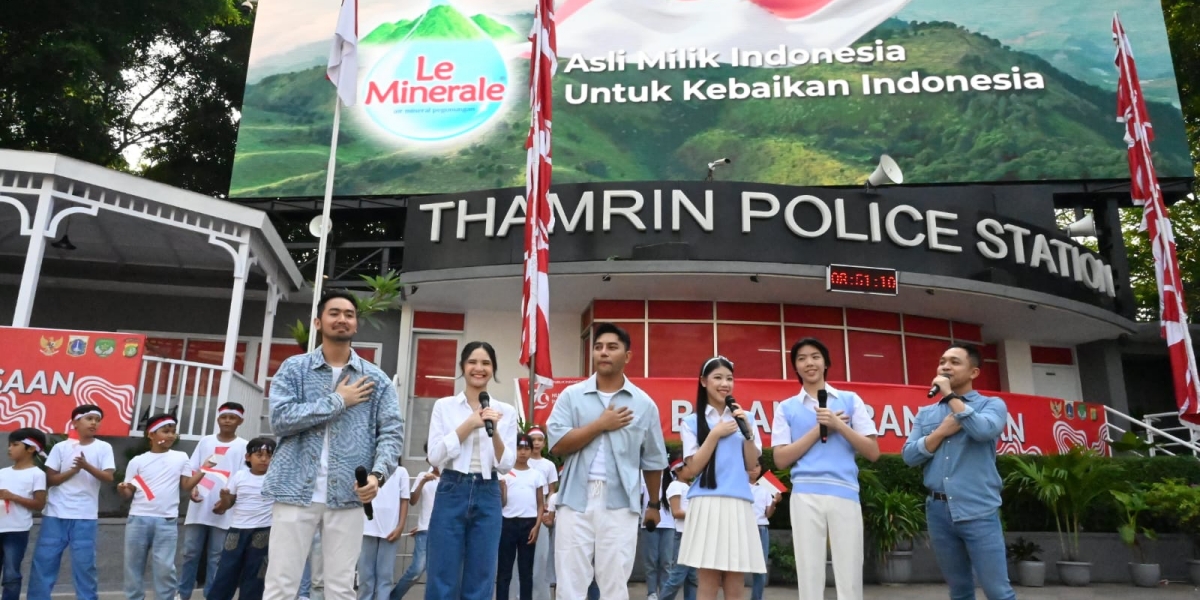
(934, 389)
(822, 398)
(745, 427)
(485, 401)
(360, 475)
(651, 525)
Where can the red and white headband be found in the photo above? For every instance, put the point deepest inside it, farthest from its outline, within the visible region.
(32, 443)
(231, 411)
(163, 422)
(88, 414)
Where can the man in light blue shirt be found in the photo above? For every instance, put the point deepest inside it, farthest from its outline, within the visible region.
(608, 433)
(954, 441)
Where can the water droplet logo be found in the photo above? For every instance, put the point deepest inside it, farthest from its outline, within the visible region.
(445, 79)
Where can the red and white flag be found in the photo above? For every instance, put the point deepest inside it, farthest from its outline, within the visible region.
(343, 57)
(1156, 222)
(535, 299)
(771, 482)
(145, 487)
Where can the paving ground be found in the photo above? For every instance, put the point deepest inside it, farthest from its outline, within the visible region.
(911, 592)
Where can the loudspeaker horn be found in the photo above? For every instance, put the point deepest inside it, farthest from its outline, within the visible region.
(1085, 227)
(887, 172)
(315, 228)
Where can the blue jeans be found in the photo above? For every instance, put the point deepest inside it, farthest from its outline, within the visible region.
(961, 546)
(593, 591)
(658, 556)
(306, 580)
(376, 567)
(759, 580)
(12, 552)
(466, 517)
(56, 536)
(514, 538)
(195, 538)
(680, 576)
(415, 568)
(243, 565)
(154, 538)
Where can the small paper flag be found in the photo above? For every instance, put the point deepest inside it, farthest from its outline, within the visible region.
(145, 487)
(769, 480)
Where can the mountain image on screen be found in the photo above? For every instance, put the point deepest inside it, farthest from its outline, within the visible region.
(442, 22)
(1064, 131)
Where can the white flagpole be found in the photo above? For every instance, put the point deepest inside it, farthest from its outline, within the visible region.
(326, 225)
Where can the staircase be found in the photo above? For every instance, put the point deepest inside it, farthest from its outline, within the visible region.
(1160, 433)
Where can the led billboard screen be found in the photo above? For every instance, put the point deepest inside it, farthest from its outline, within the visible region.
(800, 92)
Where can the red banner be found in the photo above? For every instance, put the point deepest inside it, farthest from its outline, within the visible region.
(1036, 424)
(46, 373)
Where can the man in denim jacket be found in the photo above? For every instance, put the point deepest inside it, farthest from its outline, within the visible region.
(954, 441)
(333, 412)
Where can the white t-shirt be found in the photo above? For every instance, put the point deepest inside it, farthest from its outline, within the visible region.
(160, 471)
(665, 518)
(252, 510)
(548, 470)
(763, 497)
(523, 489)
(678, 488)
(551, 502)
(428, 495)
(387, 505)
(321, 485)
(230, 458)
(599, 469)
(79, 496)
(22, 482)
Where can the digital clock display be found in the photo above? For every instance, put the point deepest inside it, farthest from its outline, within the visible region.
(860, 280)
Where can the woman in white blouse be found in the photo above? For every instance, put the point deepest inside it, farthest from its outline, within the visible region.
(467, 516)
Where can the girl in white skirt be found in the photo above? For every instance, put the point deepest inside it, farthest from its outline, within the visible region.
(720, 536)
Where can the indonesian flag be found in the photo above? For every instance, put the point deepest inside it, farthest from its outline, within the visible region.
(771, 482)
(343, 57)
(213, 475)
(145, 487)
(1156, 222)
(535, 298)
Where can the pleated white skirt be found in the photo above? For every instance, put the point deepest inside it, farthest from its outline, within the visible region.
(721, 533)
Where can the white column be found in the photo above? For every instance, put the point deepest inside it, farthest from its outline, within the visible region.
(1016, 366)
(33, 256)
(264, 347)
(241, 270)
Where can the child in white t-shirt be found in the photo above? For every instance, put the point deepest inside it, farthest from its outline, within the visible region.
(424, 491)
(74, 471)
(22, 490)
(679, 576)
(766, 498)
(381, 537)
(522, 495)
(153, 480)
(219, 456)
(243, 562)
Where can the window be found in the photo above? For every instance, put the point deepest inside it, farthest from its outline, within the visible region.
(679, 349)
(754, 349)
(875, 357)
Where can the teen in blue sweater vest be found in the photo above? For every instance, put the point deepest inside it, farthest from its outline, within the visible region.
(824, 506)
(720, 535)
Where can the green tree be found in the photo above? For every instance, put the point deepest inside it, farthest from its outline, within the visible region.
(98, 80)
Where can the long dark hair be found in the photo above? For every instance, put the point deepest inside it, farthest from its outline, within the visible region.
(667, 477)
(708, 477)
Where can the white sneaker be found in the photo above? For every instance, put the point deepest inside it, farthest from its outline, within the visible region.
(652, 597)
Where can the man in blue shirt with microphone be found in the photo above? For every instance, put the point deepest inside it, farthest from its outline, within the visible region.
(954, 441)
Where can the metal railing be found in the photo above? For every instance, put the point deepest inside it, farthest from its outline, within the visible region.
(1159, 438)
(192, 392)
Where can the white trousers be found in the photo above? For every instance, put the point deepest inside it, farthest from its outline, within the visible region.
(599, 543)
(816, 518)
(292, 529)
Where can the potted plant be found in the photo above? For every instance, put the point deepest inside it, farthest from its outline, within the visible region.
(1134, 504)
(783, 564)
(1068, 484)
(385, 296)
(894, 518)
(1031, 571)
(1179, 503)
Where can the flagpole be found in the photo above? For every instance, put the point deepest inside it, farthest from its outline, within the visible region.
(326, 225)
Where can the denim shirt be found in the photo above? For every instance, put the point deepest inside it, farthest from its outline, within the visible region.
(303, 402)
(964, 466)
(634, 448)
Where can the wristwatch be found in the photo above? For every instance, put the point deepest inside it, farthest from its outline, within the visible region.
(654, 505)
(951, 396)
(379, 477)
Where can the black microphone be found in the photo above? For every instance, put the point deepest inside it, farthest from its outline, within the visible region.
(822, 398)
(360, 475)
(745, 427)
(485, 401)
(933, 391)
